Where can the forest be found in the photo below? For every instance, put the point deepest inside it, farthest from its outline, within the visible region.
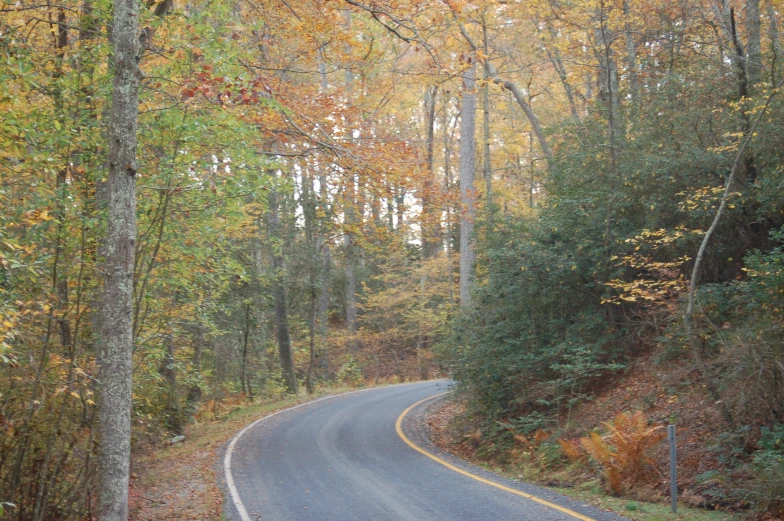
(206, 199)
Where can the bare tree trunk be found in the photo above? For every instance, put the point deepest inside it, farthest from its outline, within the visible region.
(169, 374)
(688, 317)
(749, 172)
(554, 55)
(116, 365)
(447, 145)
(516, 92)
(467, 194)
(244, 358)
(324, 276)
(775, 43)
(753, 44)
(631, 59)
(309, 213)
(279, 296)
(351, 293)
(195, 391)
(431, 213)
(487, 170)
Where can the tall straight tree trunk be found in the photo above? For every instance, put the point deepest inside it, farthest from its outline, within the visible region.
(195, 391)
(754, 44)
(431, 212)
(116, 364)
(775, 43)
(309, 213)
(467, 195)
(447, 145)
(487, 171)
(324, 276)
(279, 296)
(430, 222)
(631, 59)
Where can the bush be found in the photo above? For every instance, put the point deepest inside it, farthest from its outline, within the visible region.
(350, 373)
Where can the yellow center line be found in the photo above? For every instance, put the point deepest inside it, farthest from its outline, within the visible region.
(399, 429)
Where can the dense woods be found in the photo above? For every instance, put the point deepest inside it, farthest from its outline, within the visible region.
(526, 196)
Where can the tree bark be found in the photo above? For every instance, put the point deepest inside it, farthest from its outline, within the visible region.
(116, 364)
(775, 43)
(467, 193)
(431, 213)
(554, 56)
(279, 296)
(753, 44)
(631, 59)
(487, 170)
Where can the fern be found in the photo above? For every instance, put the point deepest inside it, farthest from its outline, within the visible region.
(623, 454)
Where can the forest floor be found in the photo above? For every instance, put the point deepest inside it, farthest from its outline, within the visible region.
(667, 392)
(178, 481)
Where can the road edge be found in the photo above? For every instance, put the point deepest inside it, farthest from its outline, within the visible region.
(239, 506)
(416, 428)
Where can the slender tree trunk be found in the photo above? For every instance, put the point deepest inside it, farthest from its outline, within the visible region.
(195, 391)
(447, 145)
(749, 171)
(688, 317)
(169, 374)
(631, 59)
(775, 43)
(324, 277)
(467, 193)
(753, 44)
(309, 213)
(431, 214)
(555, 59)
(116, 365)
(244, 359)
(279, 296)
(487, 170)
(351, 293)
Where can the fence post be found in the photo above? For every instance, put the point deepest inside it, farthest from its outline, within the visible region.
(673, 468)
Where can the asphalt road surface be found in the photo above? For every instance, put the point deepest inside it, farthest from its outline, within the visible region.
(342, 459)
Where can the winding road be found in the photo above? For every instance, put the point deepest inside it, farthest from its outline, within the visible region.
(365, 456)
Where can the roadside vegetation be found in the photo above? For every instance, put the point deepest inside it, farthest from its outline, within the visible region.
(572, 208)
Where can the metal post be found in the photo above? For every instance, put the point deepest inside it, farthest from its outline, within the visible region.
(673, 468)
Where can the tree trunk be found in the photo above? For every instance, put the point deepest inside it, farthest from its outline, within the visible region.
(351, 293)
(775, 43)
(279, 297)
(431, 212)
(172, 403)
(244, 379)
(631, 59)
(487, 170)
(555, 59)
(467, 193)
(447, 145)
(688, 317)
(324, 277)
(194, 393)
(754, 44)
(116, 364)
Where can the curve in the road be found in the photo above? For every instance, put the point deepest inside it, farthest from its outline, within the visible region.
(340, 458)
(399, 429)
